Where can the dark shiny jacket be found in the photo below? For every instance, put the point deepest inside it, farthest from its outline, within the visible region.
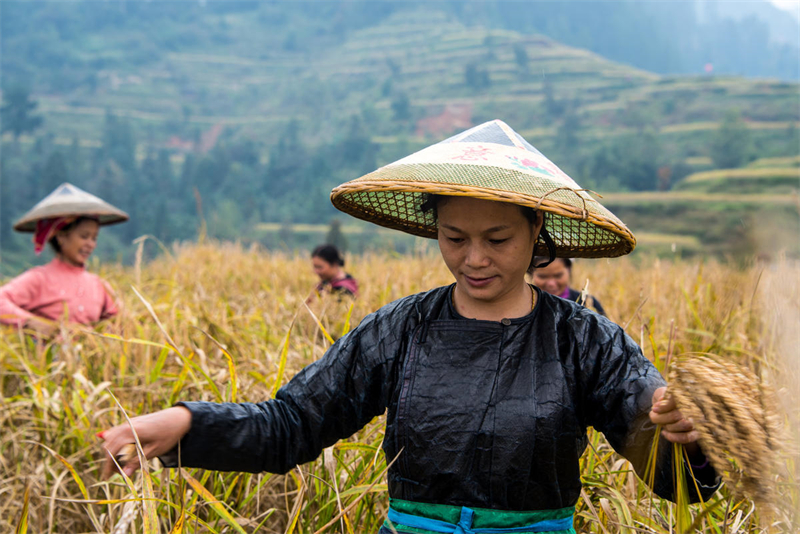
(482, 413)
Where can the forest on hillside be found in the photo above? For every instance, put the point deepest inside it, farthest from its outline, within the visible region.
(43, 41)
(213, 117)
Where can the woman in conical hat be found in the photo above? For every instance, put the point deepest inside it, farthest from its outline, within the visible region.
(69, 220)
(489, 384)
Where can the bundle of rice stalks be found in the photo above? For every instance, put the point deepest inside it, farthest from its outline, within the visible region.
(737, 417)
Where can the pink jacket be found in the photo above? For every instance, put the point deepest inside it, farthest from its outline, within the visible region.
(53, 290)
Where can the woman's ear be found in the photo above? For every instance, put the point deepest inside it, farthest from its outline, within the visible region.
(537, 226)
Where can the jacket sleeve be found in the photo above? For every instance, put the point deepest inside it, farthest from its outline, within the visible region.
(17, 295)
(328, 400)
(618, 382)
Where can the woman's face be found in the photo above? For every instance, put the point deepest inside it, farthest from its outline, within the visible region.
(486, 245)
(326, 271)
(78, 243)
(554, 278)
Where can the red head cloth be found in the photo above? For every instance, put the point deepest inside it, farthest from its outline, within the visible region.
(46, 229)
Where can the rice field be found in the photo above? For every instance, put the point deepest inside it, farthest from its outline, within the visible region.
(430, 50)
(693, 198)
(747, 181)
(221, 322)
(749, 173)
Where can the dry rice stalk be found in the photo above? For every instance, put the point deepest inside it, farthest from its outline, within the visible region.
(737, 417)
(128, 515)
(129, 510)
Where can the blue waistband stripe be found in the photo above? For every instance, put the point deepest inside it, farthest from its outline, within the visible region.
(464, 525)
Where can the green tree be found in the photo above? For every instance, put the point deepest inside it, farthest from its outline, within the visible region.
(394, 66)
(164, 174)
(75, 161)
(211, 172)
(183, 187)
(630, 162)
(401, 106)
(732, 145)
(119, 142)
(357, 149)
(5, 204)
(109, 182)
(567, 133)
(521, 57)
(335, 236)
(553, 107)
(226, 221)
(18, 112)
(387, 87)
(54, 173)
(286, 233)
(155, 181)
(475, 77)
(241, 187)
(186, 113)
(288, 162)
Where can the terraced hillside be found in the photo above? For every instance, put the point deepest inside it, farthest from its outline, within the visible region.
(755, 209)
(422, 55)
(418, 76)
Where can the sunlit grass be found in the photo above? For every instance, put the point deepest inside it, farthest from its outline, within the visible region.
(235, 328)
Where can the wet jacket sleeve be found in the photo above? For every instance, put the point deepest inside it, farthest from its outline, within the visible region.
(17, 295)
(329, 400)
(618, 382)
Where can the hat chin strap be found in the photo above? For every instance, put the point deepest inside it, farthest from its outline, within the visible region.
(551, 247)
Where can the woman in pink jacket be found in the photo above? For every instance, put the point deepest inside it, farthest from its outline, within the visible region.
(69, 219)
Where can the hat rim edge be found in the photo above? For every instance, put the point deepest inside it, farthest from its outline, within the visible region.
(625, 245)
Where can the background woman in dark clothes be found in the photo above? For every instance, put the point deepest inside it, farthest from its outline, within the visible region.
(329, 266)
(556, 278)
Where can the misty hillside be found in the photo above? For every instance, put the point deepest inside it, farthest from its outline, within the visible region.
(259, 109)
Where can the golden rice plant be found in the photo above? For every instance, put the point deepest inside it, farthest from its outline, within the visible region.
(737, 417)
(232, 324)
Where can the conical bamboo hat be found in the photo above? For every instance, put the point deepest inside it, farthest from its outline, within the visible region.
(492, 162)
(67, 200)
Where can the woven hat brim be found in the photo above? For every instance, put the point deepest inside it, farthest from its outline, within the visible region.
(392, 197)
(105, 214)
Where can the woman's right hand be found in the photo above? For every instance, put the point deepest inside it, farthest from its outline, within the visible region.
(42, 328)
(158, 432)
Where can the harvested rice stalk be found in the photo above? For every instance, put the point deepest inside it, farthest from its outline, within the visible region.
(737, 417)
(129, 510)
(126, 454)
(128, 515)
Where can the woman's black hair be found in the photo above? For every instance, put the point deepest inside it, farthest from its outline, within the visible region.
(330, 254)
(431, 204)
(66, 228)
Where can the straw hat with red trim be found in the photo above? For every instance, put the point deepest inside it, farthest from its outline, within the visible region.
(70, 201)
(492, 162)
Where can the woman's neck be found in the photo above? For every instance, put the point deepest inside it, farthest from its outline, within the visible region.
(66, 261)
(338, 275)
(516, 303)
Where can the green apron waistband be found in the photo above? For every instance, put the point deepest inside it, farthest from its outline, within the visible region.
(424, 518)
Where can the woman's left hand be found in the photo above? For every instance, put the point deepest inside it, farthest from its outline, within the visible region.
(674, 426)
